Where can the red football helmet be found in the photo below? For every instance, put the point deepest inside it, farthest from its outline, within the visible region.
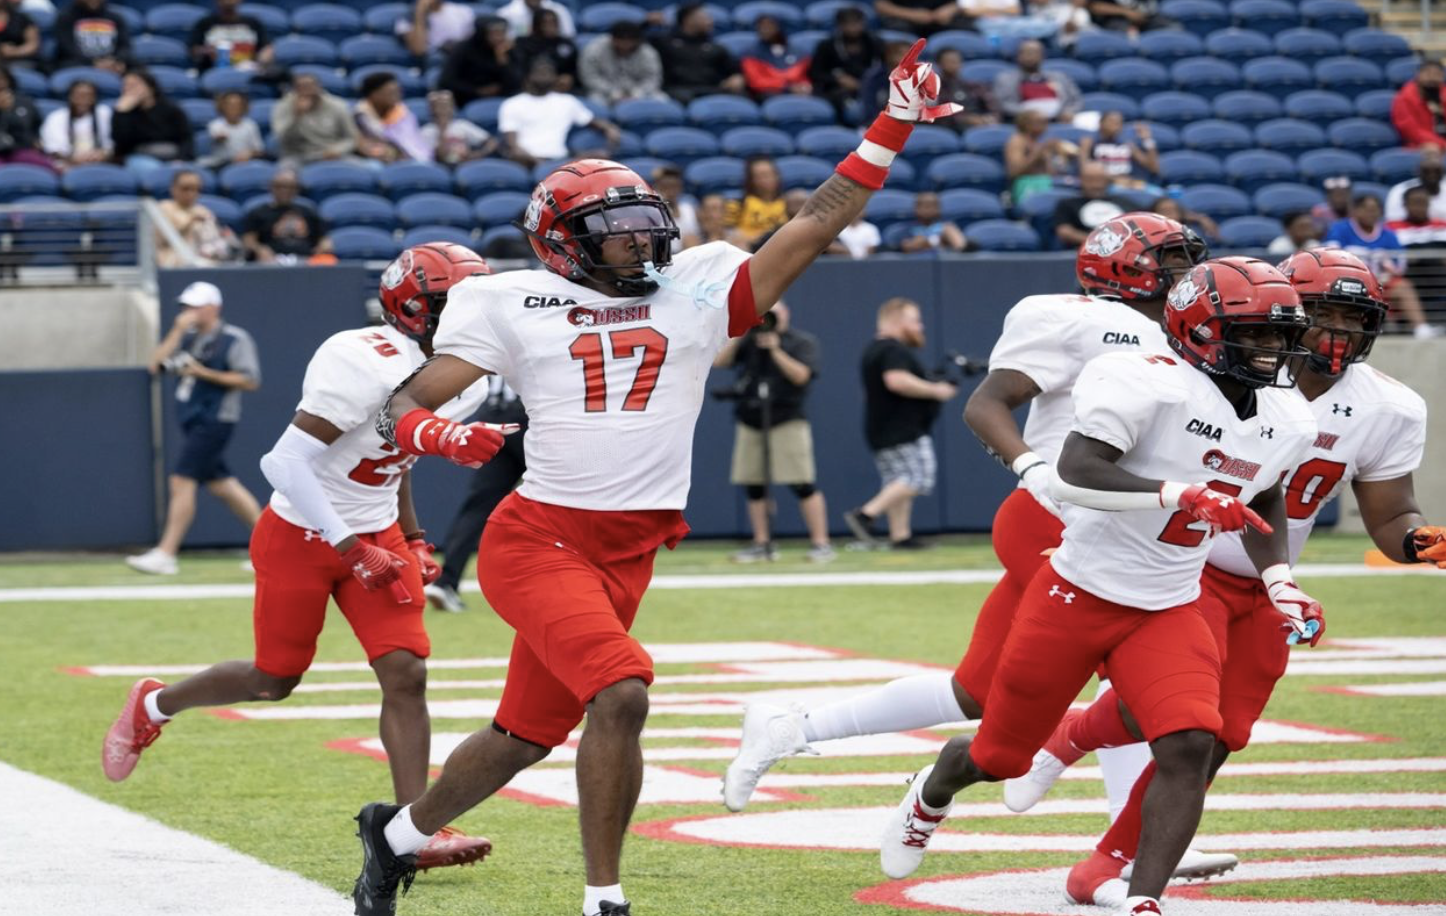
(1124, 257)
(1333, 276)
(580, 205)
(1216, 305)
(414, 286)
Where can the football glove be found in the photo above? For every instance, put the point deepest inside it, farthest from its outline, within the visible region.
(1036, 474)
(377, 568)
(471, 445)
(1428, 545)
(912, 86)
(423, 552)
(1304, 617)
(1221, 511)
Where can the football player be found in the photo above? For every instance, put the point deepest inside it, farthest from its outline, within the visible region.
(1124, 584)
(341, 525)
(1372, 435)
(609, 347)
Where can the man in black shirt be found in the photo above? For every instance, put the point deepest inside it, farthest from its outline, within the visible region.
(693, 64)
(19, 35)
(900, 405)
(1076, 217)
(87, 34)
(228, 39)
(841, 60)
(283, 229)
(786, 361)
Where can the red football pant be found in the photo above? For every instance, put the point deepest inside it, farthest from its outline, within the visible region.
(1023, 530)
(1164, 663)
(297, 571)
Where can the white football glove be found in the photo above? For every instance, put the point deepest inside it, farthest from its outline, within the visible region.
(912, 86)
(1305, 618)
(1037, 475)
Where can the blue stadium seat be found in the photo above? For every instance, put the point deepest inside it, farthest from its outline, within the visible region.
(986, 139)
(405, 179)
(421, 235)
(1098, 46)
(1249, 231)
(1205, 76)
(1401, 71)
(1199, 17)
(1110, 101)
(806, 42)
(1362, 136)
(821, 13)
(1376, 46)
(1168, 45)
(757, 141)
(1188, 166)
(737, 43)
(1084, 75)
(1166, 137)
(806, 172)
(411, 82)
(827, 142)
(360, 50)
(432, 208)
(967, 205)
(246, 179)
(1378, 191)
(1217, 137)
(304, 49)
(483, 113)
(1217, 201)
(1338, 16)
(1349, 76)
(382, 19)
(1278, 200)
(227, 211)
(719, 113)
(1392, 166)
(970, 44)
(683, 144)
(1307, 46)
(965, 170)
(88, 182)
(787, 14)
(928, 142)
(260, 200)
(1318, 106)
(902, 176)
(643, 165)
(893, 236)
(1318, 165)
(714, 175)
(1001, 235)
(1277, 76)
(1237, 45)
(1037, 209)
(500, 241)
(151, 50)
(1289, 136)
(106, 83)
(1134, 76)
(276, 20)
(1250, 170)
(359, 210)
(600, 17)
(1375, 104)
(174, 81)
(1175, 108)
(157, 182)
(364, 243)
(20, 180)
(483, 176)
(228, 79)
(1266, 16)
(1246, 107)
(887, 207)
(331, 21)
(325, 179)
(793, 113)
(499, 208)
(589, 141)
(174, 20)
(645, 114)
(984, 71)
(31, 82)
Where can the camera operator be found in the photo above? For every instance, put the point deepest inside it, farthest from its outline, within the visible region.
(901, 404)
(775, 365)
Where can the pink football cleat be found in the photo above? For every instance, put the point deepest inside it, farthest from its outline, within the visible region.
(450, 846)
(132, 732)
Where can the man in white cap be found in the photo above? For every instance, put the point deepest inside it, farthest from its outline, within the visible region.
(215, 362)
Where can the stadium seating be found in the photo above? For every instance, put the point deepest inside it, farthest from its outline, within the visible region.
(500, 208)
(360, 50)
(820, 14)
(927, 143)
(157, 181)
(965, 170)
(1190, 167)
(1251, 170)
(1402, 70)
(803, 171)
(20, 181)
(432, 208)
(646, 114)
(1217, 137)
(227, 211)
(1395, 165)
(1349, 76)
(1376, 46)
(483, 176)
(1318, 106)
(970, 44)
(1134, 76)
(600, 17)
(984, 71)
(793, 113)
(1166, 45)
(966, 205)
(1246, 107)
(359, 210)
(106, 83)
(1318, 165)
(364, 243)
(685, 144)
(1307, 46)
(1338, 16)
(1001, 235)
(787, 14)
(1376, 104)
(1083, 74)
(276, 20)
(744, 142)
(89, 182)
(721, 113)
(173, 20)
(986, 140)
(1363, 136)
(714, 175)
(1278, 76)
(1200, 17)
(888, 207)
(323, 179)
(1265, 16)
(1278, 200)
(1249, 231)
(382, 19)
(1175, 108)
(1217, 201)
(1289, 136)
(151, 50)
(1096, 47)
(1205, 76)
(1237, 45)
(329, 21)
(403, 179)
(828, 142)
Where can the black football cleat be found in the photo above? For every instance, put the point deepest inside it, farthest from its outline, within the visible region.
(375, 893)
(608, 908)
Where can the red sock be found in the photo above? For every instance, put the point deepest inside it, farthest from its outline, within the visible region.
(1102, 725)
(1122, 840)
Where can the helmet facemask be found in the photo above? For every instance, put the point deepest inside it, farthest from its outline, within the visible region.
(626, 214)
(1237, 361)
(1337, 348)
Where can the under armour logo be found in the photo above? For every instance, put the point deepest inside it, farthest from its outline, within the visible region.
(1337, 408)
(312, 535)
(1055, 592)
(1267, 432)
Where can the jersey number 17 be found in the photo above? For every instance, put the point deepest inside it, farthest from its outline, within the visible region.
(589, 349)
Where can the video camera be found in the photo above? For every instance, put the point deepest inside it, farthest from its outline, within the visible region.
(954, 367)
(177, 362)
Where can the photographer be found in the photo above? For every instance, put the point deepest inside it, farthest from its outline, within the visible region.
(215, 362)
(775, 365)
(901, 404)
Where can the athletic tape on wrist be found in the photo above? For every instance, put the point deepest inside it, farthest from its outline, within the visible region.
(884, 140)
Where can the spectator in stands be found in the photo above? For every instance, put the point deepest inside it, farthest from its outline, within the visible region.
(668, 181)
(547, 42)
(197, 226)
(1302, 233)
(1071, 17)
(234, 136)
(930, 231)
(921, 17)
(312, 125)
(793, 202)
(1131, 16)
(1419, 109)
(519, 16)
(452, 139)
(1130, 161)
(19, 125)
(860, 238)
(283, 230)
(770, 67)
(1424, 237)
(389, 129)
(693, 63)
(1337, 206)
(713, 220)
(619, 66)
(78, 133)
(1032, 160)
(19, 35)
(1076, 217)
(1363, 234)
(841, 60)
(227, 38)
(762, 208)
(483, 66)
(1054, 95)
(89, 34)
(874, 91)
(1200, 222)
(535, 124)
(436, 25)
(149, 128)
(976, 99)
(1429, 173)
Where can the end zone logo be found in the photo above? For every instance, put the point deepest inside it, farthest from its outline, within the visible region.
(1221, 463)
(587, 318)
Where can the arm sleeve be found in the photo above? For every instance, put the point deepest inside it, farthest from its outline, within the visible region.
(1036, 342)
(341, 387)
(288, 468)
(466, 332)
(1113, 400)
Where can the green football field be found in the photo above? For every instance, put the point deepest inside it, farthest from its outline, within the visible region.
(1342, 799)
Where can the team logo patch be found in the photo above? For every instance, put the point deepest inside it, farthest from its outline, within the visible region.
(1104, 241)
(1184, 293)
(533, 217)
(1221, 463)
(1327, 441)
(397, 271)
(587, 318)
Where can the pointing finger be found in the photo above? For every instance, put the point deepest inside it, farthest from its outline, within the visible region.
(1255, 521)
(912, 57)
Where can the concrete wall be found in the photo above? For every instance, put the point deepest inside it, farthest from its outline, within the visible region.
(75, 328)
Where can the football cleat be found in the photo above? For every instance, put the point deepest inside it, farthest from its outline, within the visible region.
(1196, 865)
(770, 733)
(132, 732)
(608, 908)
(909, 829)
(444, 598)
(155, 562)
(450, 846)
(1057, 755)
(375, 891)
(1140, 906)
(1096, 881)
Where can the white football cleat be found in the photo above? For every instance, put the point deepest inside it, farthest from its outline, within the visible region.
(1024, 792)
(1196, 865)
(909, 829)
(770, 733)
(1140, 906)
(155, 561)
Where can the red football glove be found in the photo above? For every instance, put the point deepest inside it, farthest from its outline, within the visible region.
(1305, 619)
(1222, 511)
(376, 568)
(423, 552)
(422, 432)
(912, 86)
(1430, 543)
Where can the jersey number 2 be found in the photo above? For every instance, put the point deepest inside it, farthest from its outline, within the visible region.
(1180, 530)
(589, 349)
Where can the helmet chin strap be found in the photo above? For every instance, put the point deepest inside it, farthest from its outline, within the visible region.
(702, 294)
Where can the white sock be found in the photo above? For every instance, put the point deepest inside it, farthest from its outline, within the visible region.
(153, 709)
(921, 701)
(592, 898)
(1121, 766)
(402, 835)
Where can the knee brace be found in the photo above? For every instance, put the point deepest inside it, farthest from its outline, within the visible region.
(803, 490)
(756, 491)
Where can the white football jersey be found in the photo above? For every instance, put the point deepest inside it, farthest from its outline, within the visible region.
(347, 381)
(1172, 423)
(1050, 339)
(1371, 428)
(613, 386)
